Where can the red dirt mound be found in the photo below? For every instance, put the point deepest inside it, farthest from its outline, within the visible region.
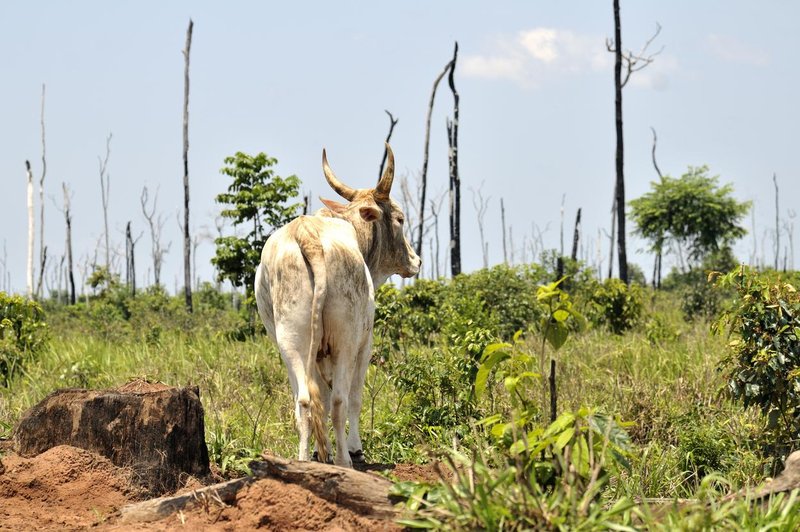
(269, 504)
(64, 488)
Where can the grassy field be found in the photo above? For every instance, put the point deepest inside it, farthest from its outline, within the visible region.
(660, 377)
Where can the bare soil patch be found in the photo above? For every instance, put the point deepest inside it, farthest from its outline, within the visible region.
(66, 488)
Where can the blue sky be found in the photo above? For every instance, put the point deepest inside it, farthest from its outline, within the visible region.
(290, 78)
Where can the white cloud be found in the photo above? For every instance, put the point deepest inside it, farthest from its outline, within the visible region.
(531, 56)
(733, 50)
(541, 43)
(656, 75)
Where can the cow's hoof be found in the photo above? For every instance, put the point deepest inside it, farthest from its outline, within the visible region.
(315, 458)
(358, 457)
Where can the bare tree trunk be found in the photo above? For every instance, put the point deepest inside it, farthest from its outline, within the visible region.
(435, 211)
(503, 223)
(633, 63)
(105, 187)
(187, 241)
(553, 392)
(611, 237)
(561, 233)
(511, 242)
(455, 180)
(130, 265)
(31, 233)
(392, 123)
(576, 236)
(655, 164)
(777, 222)
(620, 183)
(196, 240)
(788, 225)
(156, 224)
(481, 205)
(68, 221)
(424, 175)
(754, 255)
(42, 247)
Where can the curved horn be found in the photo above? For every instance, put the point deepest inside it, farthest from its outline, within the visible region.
(340, 188)
(385, 184)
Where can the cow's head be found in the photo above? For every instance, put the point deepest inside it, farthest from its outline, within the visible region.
(378, 220)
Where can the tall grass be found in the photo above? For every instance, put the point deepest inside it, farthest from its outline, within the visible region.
(690, 441)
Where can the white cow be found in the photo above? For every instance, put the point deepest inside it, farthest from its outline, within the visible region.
(315, 290)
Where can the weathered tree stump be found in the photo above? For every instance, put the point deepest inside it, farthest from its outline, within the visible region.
(154, 429)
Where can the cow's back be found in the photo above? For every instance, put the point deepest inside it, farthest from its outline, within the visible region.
(285, 280)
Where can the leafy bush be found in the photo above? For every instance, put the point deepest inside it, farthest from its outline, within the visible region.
(23, 333)
(541, 476)
(616, 306)
(763, 365)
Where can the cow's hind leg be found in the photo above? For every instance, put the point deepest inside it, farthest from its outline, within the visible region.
(343, 373)
(293, 350)
(354, 445)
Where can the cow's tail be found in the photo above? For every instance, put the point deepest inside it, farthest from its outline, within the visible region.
(311, 248)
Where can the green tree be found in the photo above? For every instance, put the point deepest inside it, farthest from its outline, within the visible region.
(259, 201)
(692, 216)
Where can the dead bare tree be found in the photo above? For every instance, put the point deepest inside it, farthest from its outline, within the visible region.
(130, 258)
(42, 247)
(203, 235)
(788, 225)
(4, 272)
(156, 224)
(436, 206)
(660, 240)
(655, 164)
(187, 241)
(424, 174)
(503, 223)
(481, 204)
(611, 238)
(68, 243)
(754, 253)
(31, 232)
(560, 258)
(511, 242)
(633, 62)
(777, 222)
(392, 123)
(576, 236)
(105, 186)
(455, 179)
(408, 202)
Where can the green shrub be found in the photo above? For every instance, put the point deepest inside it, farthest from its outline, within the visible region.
(616, 306)
(23, 333)
(762, 367)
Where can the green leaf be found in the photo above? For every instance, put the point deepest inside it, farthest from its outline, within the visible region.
(565, 438)
(556, 334)
(485, 369)
(562, 422)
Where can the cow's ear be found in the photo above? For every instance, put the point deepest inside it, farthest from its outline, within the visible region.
(334, 206)
(370, 212)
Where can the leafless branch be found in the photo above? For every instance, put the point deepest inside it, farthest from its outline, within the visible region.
(636, 61)
(392, 123)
